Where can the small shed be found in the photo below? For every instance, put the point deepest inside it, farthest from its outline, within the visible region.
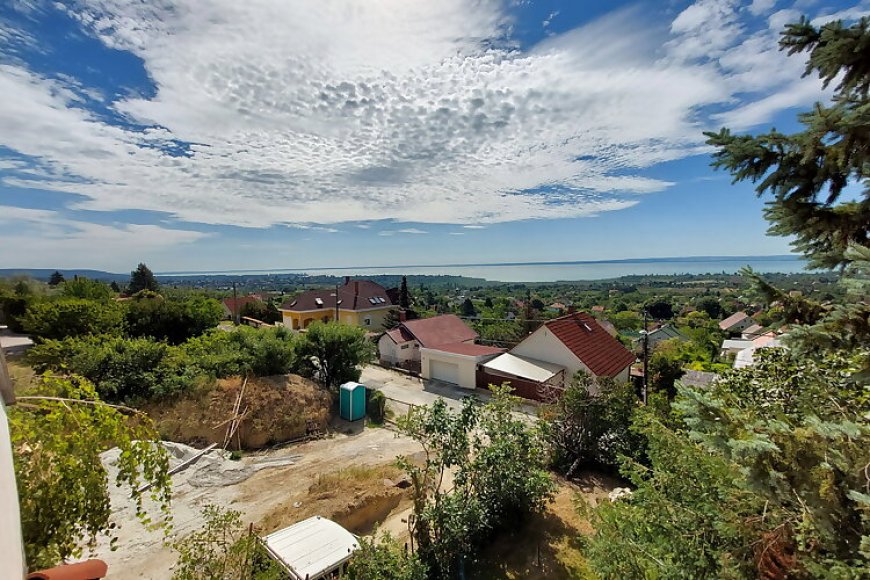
(312, 549)
(352, 401)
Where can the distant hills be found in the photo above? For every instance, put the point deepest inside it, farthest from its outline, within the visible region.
(45, 274)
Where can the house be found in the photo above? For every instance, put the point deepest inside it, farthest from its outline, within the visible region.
(746, 357)
(549, 358)
(440, 348)
(736, 323)
(751, 332)
(556, 307)
(233, 306)
(665, 332)
(357, 303)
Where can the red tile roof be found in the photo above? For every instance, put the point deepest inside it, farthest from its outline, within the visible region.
(444, 329)
(469, 349)
(604, 355)
(400, 335)
(353, 295)
(87, 570)
(235, 304)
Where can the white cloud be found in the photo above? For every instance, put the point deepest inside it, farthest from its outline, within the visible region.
(411, 231)
(322, 113)
(38, 237)
(474, 227)
(759, 7)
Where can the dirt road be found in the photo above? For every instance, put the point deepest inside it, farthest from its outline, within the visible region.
(268, 482)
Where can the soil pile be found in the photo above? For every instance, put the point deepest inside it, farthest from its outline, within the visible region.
(274, 409)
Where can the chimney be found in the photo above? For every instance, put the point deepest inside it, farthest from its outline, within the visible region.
(346, 280)
(403, 316)
(572, 309)
(355, 287)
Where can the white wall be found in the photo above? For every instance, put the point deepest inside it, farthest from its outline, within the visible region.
(394, 353)
(467, 365)
(543, 345)
(11, 545)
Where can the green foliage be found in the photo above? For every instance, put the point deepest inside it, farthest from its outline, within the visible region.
(172, 319)
(627, 320)
(124, 369)
(497, 461)
(807, 172)
(404, 295)
(711, 307)
(590, 425)
(384, 559)
(142, 279)
(223, 549)
(81, 287)
(331, 353)
(55, 278)
(666, 365)
(267, 312)
(767, 474)
(377, 406)
(62, 484)
(68, 317)
(467, 308)
(13, 309)
(660, 309)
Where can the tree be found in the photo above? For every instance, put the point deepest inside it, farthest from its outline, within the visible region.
(57, 440)
(404, 295)
(115, 288)
(497, 461)
(391, 319)
(384, 559)
(711, 306)
(173, 319)
(807, 173)
(223, 549)
(666, 365)
(627, 320)
(81, 287)
(55, 279)
(488, 302)
(68, 317)
(331, 353)
(660, 309)
(142, 279)
(589, 426)
(467, 309)
(23, 289)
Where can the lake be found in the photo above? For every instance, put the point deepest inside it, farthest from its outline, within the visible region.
(556, 271)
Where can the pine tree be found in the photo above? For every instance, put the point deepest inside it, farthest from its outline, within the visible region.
(142, 279)
(115, 287)
(55, 279)
(807, 174)
(404, 296)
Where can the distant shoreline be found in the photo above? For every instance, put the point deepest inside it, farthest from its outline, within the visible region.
(711, 259)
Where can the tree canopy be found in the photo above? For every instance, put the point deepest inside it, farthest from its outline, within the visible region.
(142, 279)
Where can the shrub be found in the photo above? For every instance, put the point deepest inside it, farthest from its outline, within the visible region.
(172, 319)
(376, 407)
(59, 319)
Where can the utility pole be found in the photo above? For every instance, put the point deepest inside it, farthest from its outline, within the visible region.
(645, 359)
(235, 305)
(336, 301)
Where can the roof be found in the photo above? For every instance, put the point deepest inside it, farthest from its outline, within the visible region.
(469, 349)
(351, 386)
(746, 357)
(754, 329)
(235, 304)
(311, 547)
(523, 367)
(698, 378)
(353, 295)
(736, 344)
(400, 335)
(732, 320)
(87, 570)
(444, 329)
(667, 331)
(601, 353)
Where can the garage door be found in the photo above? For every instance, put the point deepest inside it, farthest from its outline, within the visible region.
(443, 371)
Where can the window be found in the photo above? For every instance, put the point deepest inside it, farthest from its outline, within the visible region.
(367, 321)
(318, 301)
(404, 346)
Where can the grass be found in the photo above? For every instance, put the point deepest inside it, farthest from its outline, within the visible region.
(358, 476)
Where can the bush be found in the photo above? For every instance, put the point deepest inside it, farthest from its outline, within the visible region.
(262, 351)
(376, 407)
(68, 317)
(384, 560)
(331, 353)
(172, 319)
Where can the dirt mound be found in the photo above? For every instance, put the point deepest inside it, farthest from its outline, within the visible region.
(276, 409)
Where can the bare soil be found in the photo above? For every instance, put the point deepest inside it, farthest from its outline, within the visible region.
(275, 409)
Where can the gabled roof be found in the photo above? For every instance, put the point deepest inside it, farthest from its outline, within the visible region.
(469, 349)
(400, 335)
(353, 295)
(604, 355)
(754, 330)
(732, 320)
(235, 304)
(665, 332)
(444, 329)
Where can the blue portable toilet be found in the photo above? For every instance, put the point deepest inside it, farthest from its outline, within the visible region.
(352, 401)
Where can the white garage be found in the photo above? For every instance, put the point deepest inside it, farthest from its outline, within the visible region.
(455, 363)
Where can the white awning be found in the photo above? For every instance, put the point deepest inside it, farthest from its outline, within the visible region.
(524, 368)
(312, 547)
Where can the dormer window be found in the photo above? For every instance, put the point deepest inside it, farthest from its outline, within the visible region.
(319, 302)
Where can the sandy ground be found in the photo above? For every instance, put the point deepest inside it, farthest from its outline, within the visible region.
(255, 486)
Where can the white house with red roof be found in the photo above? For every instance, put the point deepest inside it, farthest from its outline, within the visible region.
(440, 348)
(553, 354)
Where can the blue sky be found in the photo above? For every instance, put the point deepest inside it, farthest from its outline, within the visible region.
(249, 135)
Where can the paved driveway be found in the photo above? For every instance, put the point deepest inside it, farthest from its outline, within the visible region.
(416, 391)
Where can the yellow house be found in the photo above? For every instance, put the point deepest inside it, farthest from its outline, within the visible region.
(360, 303)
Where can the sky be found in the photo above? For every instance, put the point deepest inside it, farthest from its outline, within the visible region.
(226, 135)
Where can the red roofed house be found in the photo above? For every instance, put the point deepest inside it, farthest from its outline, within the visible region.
(360, 303)
(440, 348)
(736, 323)
(553, 354)
(233, 306)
